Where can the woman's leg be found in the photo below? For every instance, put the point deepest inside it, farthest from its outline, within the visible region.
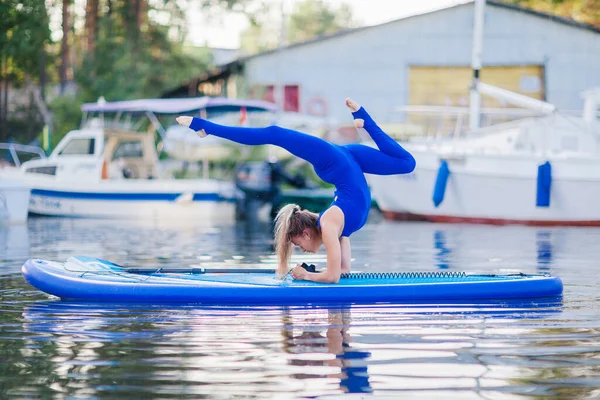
(383, 141)
(390, 159)
(373, 161)
(310, 148)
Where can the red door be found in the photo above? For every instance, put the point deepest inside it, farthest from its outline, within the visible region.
(291, 98)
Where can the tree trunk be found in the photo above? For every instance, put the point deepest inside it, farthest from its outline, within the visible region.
(2, 83)
(91, 24)
(135, 19)
(38, 98)
(4, 111)
(43, 73)
(64, 48)
(140, 14)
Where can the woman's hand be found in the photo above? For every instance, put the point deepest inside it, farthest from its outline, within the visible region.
(299, 273)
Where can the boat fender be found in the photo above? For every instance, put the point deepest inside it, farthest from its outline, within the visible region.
(544, 183)
(105, 170)
(439, 190)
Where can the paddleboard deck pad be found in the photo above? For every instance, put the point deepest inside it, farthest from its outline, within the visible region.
(92, 279)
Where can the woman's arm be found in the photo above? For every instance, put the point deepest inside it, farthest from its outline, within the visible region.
(332, 223)
(346, 254)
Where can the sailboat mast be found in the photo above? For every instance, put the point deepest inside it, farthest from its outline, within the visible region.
(475, 96)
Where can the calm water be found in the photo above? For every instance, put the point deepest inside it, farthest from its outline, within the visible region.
(549, 349)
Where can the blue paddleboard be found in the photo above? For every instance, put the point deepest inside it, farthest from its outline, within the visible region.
(93, 279)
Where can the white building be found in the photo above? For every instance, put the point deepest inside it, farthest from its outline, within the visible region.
(423, 59)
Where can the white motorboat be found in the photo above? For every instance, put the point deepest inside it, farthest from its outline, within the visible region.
(14, 201)
(14, 193)
(105, 171)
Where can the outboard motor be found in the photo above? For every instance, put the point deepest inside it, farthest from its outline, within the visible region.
(260, 181)
(253, 178)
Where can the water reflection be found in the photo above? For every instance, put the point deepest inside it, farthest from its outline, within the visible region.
(544, 250)
(14, 243)
(382, 246)
(89, 350)
(349, 363)
(443, 252)
(546, 348)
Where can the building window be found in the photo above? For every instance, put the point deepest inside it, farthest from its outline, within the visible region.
(269, 94)
(291, 98)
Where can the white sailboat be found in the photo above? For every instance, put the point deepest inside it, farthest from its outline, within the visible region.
(543, 170)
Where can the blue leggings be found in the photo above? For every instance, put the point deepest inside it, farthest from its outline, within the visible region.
(342, 166)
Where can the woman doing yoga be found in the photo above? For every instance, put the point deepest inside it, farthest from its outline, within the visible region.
(343, 166)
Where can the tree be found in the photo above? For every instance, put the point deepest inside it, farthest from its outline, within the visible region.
(126, 66)
(91, 23)
(23, 34)
(308, 19)
(586, 11)
(265, 28)
(64, 46)
(312, 18)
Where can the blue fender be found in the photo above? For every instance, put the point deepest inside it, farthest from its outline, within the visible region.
(439, 190)
(544, 183)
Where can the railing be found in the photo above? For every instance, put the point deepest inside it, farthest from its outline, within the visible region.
(449, 121)
(14, 149)
(453, 122)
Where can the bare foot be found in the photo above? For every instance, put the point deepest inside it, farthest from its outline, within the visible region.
(187, 121)
(352, 105)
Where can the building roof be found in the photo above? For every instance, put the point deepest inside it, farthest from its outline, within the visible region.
(177, 106)
(495, 3)
(238, 62)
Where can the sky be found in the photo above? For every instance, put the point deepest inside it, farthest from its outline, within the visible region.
(224, 32)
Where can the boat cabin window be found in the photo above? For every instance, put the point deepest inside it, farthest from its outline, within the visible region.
(128, 150)
(47, 170)
(79, 147)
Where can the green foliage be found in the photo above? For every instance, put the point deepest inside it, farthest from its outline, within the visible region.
(124, 65)
(121, 69)
(587, 11)
(26, 126)
(308, 19)
(312, 18)
(23, 32)
(66, 113)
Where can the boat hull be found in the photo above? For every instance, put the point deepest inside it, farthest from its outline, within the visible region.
(493, 189)
(205, 199)
(14, 198)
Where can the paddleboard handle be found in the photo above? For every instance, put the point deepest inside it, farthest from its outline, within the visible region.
(197, 270)
(309, 268)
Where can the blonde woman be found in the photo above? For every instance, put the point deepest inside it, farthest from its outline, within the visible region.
(343, 166)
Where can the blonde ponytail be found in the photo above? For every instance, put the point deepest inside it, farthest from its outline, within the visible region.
(283, 245)
(291, 221)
